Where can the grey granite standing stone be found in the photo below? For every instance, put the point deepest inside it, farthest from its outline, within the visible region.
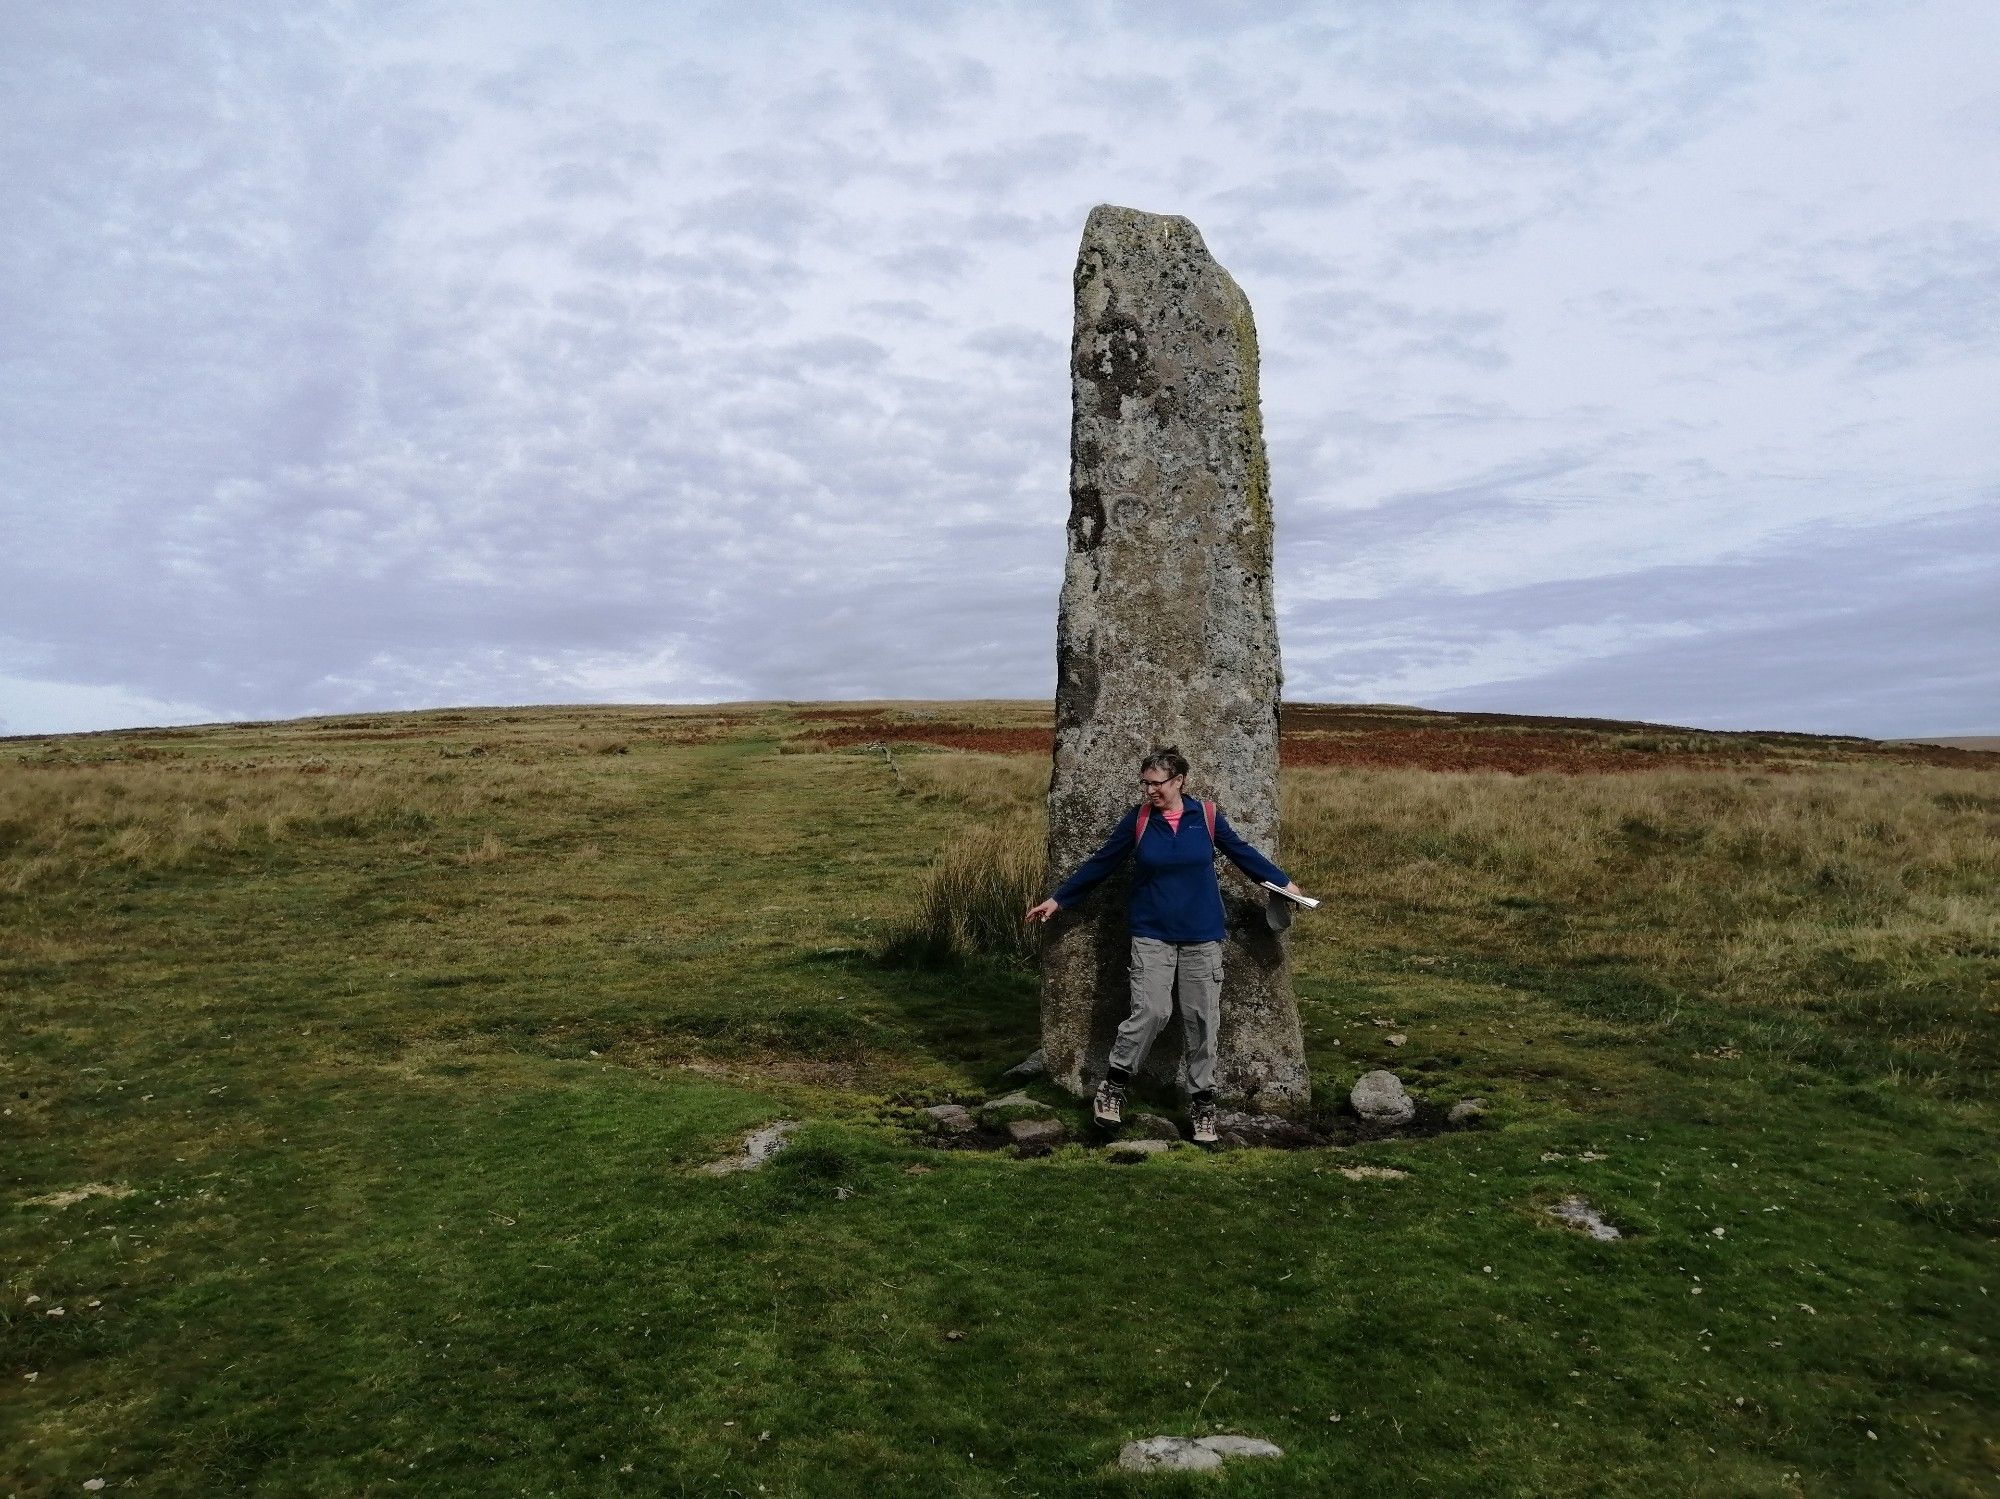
(1167, 635)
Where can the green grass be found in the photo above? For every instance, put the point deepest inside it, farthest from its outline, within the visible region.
(407, 1059)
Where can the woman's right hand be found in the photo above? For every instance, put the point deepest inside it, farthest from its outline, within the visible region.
(1042, 912)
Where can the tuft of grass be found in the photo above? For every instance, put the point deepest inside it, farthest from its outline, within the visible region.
(488, 850)
(972, 899)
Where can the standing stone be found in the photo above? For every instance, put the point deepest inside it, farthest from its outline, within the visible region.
(1167, 636)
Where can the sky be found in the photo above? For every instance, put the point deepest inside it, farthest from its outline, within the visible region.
(1625, 359)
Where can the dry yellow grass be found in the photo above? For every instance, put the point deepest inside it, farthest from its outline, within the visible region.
(1753, 880)
(1774, 889)
(985, 783)
(61, 822)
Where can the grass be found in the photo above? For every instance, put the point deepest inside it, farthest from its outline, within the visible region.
(408, 1034)
(972, 897)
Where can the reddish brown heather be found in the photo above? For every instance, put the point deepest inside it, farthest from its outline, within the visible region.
(1471, 749)
(962, 736)
(1325, 735)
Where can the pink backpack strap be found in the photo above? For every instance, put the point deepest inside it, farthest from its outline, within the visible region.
(1146, 812)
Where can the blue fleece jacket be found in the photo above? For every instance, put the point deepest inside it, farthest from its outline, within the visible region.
(1175, 896)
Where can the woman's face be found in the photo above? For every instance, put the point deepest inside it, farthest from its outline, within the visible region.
(1161, 789)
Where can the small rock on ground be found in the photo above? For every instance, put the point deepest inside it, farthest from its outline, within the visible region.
(1137, 1150)
(1201, 1455)
(1580, 1214)
(1152, 1127)
(758, 1147)
(1034, 1066)
(950, 1118)
(1379, 1096)
(1469, 1108)
(1035, 1133)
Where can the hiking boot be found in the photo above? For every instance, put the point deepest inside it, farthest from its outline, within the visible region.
(1109, 1105)
(1204, 1123)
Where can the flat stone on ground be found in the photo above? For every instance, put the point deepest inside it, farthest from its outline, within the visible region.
(758, 1147)
(1580, 1214)
(1035, 1133)
(1200, 1455)
(951, 1118)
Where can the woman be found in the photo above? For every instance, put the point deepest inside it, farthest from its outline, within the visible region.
(1175, 918)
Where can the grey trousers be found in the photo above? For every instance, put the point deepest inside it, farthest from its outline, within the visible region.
(1155, 964)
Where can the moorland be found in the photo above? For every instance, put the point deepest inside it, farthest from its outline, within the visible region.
(360, 1072)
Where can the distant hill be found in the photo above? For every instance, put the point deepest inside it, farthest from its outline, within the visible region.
(1984, 743)
(1378, 735)
(1391, 735)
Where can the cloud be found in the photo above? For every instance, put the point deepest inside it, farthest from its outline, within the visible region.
(34, 705)
(1925, 293)
(1017, 163)
(1874, 629)
(385, 357)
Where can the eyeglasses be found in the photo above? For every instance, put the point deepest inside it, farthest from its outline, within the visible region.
(1149, 784)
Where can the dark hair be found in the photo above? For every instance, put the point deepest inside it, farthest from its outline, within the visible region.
(1167, 760)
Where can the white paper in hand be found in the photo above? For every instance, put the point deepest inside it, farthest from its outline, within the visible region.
(1302, 900)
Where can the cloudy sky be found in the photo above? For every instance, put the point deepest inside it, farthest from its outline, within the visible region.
(1623, 358)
